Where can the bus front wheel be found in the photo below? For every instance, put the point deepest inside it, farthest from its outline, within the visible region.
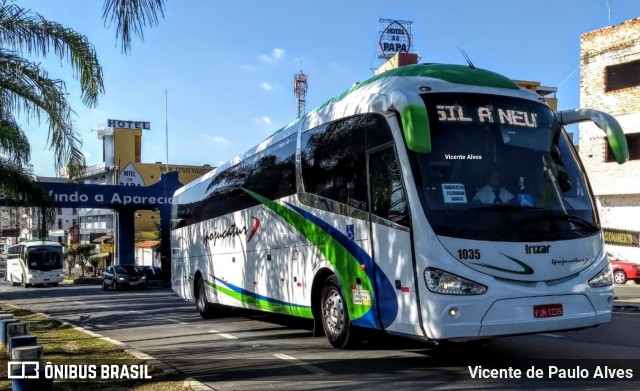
(335, 315)
(202, 304)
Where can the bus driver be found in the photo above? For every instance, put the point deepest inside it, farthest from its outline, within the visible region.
(492, 192)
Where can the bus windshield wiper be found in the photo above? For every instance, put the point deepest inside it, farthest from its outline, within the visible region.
(570, 218)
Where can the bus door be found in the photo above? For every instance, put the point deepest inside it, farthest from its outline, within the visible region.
(395, 283)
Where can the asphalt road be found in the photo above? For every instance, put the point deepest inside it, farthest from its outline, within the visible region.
(252, 350)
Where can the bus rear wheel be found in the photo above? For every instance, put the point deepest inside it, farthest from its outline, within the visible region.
(202, 304)
(335, 315)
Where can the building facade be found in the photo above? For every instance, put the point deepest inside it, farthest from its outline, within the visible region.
(121, 165)
(610, 82)
(15, 225)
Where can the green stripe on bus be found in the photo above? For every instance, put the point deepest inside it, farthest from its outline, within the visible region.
(304, 312)
(344, 264)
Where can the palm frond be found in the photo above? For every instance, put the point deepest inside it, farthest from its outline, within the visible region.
(132, 17)
(19, 188)
(17, 185)
(26, 87)
(25, 31)
(14, 144)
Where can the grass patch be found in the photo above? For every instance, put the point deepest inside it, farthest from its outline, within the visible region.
(64, 344)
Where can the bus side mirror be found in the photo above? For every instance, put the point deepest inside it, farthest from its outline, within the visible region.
(415, 123)
(615, 136)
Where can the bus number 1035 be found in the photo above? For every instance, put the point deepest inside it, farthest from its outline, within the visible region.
(471, 253)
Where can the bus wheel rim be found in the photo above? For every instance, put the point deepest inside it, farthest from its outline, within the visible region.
(334, 312)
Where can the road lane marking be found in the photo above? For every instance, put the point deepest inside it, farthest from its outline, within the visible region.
(551, 335)
(223, 335)
(313, 369)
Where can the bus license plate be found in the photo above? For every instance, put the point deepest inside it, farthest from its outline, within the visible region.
(547, 310)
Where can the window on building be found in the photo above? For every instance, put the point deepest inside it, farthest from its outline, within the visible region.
(633, 141)
(621, 76)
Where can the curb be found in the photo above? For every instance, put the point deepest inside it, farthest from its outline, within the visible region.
(188, 384)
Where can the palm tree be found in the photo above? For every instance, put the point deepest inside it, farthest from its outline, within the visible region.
(26, 90)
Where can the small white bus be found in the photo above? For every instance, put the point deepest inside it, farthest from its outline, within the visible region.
(35, 262)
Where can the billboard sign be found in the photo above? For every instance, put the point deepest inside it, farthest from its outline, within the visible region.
(620, 237)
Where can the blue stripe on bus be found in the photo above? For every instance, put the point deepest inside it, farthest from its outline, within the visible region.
(386, 294)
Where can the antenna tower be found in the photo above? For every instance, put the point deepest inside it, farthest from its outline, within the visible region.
(300, 91)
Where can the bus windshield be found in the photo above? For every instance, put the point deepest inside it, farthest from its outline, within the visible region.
(501, 169)
(44, 258)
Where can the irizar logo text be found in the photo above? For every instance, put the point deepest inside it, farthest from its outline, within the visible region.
(536, 249)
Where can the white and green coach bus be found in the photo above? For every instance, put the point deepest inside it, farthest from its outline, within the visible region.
(35, 262)
(366, 213)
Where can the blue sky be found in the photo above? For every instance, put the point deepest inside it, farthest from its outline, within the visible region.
(228, 65)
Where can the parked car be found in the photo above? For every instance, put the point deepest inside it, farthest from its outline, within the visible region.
(123, 276)
(152, 272)
(623, 269)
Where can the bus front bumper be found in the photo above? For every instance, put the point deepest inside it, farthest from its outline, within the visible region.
(41, 278)
(526, 315)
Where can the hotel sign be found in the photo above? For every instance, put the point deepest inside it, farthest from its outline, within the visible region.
(118, 123)
(395, 37)
(130, 177)
(619, 237)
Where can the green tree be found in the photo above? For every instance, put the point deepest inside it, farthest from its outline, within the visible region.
(81, 253)
(27, 91)
(70, 260)
(95, 263)
(156, 227)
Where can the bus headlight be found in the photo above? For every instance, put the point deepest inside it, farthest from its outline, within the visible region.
(439, 281)
(604, 278)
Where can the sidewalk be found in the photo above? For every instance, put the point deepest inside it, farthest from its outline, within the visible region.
(65, 343)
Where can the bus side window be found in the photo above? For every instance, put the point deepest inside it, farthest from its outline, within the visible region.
(333, 161)
(387, 193)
